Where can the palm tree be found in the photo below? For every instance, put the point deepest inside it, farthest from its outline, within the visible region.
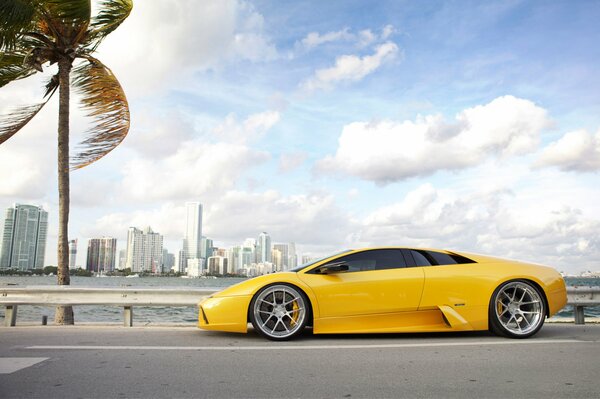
(35, 33)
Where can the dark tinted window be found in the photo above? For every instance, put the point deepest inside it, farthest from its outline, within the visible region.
(373, 260)
(441, 258)
(420, 258)
(427, 258)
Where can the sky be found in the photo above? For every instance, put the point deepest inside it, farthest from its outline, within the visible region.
(460, 125)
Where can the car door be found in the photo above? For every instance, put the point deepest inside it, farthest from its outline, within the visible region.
(377, 281)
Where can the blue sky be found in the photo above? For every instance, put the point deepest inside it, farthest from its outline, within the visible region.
(462, 125)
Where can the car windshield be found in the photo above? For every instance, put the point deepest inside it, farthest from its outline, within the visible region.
(312, 262)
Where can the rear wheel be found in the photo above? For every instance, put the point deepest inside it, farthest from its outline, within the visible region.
(517, 309)
(279, 312)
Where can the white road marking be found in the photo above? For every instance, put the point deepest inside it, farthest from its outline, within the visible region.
(11, 364)
(276, 347)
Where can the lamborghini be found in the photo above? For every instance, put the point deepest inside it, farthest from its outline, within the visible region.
(391, 290)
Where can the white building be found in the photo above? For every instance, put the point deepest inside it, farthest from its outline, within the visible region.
(180, 262)
(24, 238)
(192, 241)
(73, 254)
(123, 259)
(277, 257)
(144, 250)
(195, 267)
(263, 248)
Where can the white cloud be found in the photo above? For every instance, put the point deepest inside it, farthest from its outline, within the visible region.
(197, 170)
(28, 159)
(158, 134)
(351, 68)
(387, 31)
(363, 38)
(577, 151)
(500, 223)
(163, 42)
(314, 39)
(291, 161)
(168, 220)
(252, 128)
(311, 220)
(366, 37)
(389, 151)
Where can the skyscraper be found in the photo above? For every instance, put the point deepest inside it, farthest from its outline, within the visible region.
(144, 250)
(192, 242)
(24, 237)
(263, 248)
(292, 257)
(101, 254)
(168, 261)
(73, 254)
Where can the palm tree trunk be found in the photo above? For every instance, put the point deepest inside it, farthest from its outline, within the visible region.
(64, 314)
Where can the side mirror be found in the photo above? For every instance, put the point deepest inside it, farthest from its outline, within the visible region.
(331, 268)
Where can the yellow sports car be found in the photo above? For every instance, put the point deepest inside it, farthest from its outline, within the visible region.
(391, 290)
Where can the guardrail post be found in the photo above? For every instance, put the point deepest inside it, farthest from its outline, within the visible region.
(128, 316)
(10, 316)
(579, 316)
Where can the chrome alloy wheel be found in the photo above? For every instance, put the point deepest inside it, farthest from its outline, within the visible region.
(279, 312)
(519, 308)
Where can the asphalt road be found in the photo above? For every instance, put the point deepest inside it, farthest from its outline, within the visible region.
(562, 361)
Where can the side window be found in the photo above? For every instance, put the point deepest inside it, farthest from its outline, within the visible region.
(441, 258)
(438, 258)
(420, 259)
(378, 259)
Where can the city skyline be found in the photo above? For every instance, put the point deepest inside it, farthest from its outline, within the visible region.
(468, 126)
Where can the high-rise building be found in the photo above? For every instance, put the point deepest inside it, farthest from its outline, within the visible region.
(24, 237)
(180, 262)
(206, 248)
(101, 254)
(144, 250)
(217, 265)
(263, 248)
(195, 267)
(168, 261)
(292, 256)
(277, 257)
(192, 241)
(73, 254)
(122, 259)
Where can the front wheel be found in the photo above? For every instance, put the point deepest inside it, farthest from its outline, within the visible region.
(517, 309)
(279, 312)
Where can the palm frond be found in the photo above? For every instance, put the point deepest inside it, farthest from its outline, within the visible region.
(12, 67)
(13, 122)
(72, 10)
(111, 16)
(105, 101)
(70, 19)
(16, 17)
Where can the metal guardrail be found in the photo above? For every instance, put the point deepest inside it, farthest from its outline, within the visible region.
(11, 298)
(578, 297)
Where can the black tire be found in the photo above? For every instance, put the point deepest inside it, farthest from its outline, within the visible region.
(279, 312)
(517, 309)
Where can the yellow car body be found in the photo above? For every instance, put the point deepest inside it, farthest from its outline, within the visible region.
(433, 298)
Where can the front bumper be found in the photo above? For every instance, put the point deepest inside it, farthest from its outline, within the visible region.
(224, 314)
